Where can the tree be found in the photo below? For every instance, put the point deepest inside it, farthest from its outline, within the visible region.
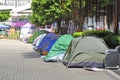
(4, 15)
(86, 8)
(113, 15)
(48, 11)
(116, 13)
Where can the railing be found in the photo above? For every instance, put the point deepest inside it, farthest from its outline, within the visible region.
(14, 4)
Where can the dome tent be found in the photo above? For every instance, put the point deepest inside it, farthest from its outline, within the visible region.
(85, 52)
(47, 42)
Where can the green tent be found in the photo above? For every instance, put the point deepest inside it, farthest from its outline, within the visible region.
(35, 35)
(85, 52)
(58, 50)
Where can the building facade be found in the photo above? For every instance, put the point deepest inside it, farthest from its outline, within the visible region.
(20, 10)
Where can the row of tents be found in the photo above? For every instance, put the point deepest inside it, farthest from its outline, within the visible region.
(84, 51)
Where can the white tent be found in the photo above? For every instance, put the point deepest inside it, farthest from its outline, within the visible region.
(28, 28)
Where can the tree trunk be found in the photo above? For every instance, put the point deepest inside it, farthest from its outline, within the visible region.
(59, 25)
(116, 18)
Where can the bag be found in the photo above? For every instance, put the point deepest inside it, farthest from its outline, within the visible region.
(112, 59)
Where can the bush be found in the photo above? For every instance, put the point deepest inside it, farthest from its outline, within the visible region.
(97, 33)
(111, 40)
(77, 34)
(118, 37)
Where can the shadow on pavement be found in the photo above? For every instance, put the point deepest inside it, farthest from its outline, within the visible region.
(117, 72)
(30, 55)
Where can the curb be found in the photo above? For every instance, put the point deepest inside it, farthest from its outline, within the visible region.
(114, 74)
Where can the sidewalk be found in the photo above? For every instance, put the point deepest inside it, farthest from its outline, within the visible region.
(18, 61)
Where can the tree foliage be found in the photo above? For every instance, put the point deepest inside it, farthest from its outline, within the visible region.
(4, 15)
(48, 11)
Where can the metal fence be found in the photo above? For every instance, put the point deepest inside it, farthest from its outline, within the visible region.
(14, 2)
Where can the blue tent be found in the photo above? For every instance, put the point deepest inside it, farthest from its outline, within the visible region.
(4, 26)
(47, 42)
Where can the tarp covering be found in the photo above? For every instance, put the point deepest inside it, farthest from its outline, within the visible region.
(19, 24)
(3, 32)
(28, 25)
(4, 26)
(58, 50)
(86, 52)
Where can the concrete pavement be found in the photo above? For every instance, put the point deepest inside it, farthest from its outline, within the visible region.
(18, 61)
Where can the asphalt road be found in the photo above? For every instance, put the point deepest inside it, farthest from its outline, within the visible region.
(18, 61)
